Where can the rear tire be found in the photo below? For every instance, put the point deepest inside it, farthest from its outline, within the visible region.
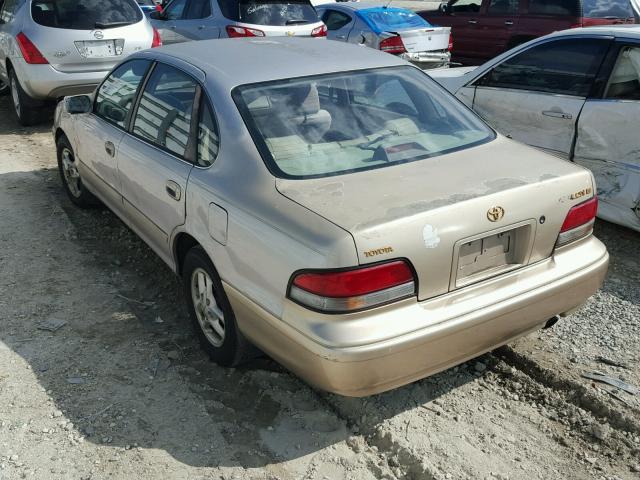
(27, 110)
(70, 175)
(211, 312)
(4, 88)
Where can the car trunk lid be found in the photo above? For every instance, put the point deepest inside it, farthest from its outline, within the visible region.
(436, 212)
(425, 39)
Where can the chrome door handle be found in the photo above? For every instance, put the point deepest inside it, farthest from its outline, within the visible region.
(473, 22)
(551, 113)
(508, 22)
(110, 148)
(173, 189)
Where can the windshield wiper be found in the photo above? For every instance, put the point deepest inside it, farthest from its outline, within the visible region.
(369, 145)
(296, 22)
(112, 24)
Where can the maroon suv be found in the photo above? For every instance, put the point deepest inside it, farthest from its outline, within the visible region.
(483, 29)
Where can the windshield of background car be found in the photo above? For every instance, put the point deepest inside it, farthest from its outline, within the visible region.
(391, 19)
(346, 122)
(269, 12)
(608, 9)
(85, 14)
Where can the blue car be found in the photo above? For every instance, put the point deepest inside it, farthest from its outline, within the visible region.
(391, 29)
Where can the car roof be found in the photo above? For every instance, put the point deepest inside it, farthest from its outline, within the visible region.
(359, 6)
(240, 61)
(605, 30)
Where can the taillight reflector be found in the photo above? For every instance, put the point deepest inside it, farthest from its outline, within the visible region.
(450, 47)
(157, 40)
(319, 31)
(353, 289)
(578, 222)
(236, 31)
(29, 51)
(392, 45)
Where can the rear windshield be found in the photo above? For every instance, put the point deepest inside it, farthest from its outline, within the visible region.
(347, 122)
(269, 12)
(388, 19)
(608, 9)
(85, 14)
(555, 7)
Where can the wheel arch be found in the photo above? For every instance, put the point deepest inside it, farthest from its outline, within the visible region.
(182, 243)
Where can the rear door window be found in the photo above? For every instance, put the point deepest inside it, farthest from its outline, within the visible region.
(564, 67)
(85, 14)
(555, 7)
(7, 10)
(175, 10)
(269, 12)
(624, 83)
(465, 6)
(198, 9)
(164, 113)
(335, 20)
(503, 7)
(117, 93)
(608, 9)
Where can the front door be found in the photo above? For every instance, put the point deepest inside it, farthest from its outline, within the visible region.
(152, 161)
(103, 129)
(463, 17)
(197, 23)
(168, 22)
(536, 95)
(608, 144)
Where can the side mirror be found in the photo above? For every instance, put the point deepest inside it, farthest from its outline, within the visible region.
(444, 7)
(78, 104)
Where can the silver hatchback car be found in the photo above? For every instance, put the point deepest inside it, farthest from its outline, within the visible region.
(53, 48)
(185, 20)
(335, 207)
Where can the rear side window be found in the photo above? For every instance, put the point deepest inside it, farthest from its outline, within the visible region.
(85, 14)
(164, 113)
(387, 19)
(269, 12)
(555, 7)
(564, 67)
(208, 139)
(608, 9)
(116, 94)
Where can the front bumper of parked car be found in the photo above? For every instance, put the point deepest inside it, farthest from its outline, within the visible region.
(415, 339)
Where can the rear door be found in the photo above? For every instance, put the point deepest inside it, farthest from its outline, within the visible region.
(155, 158)
(339, 24)
(498, 26)
(463, 17)
(197, 23)
(85, 35)
(607, 141)
(536, 95)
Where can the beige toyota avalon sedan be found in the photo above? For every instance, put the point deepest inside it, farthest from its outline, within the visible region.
(333, 206)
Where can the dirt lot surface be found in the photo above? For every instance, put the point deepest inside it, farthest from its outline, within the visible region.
(123, 391)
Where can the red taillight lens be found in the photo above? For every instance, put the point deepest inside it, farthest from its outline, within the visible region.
(29, 51)
(319, 31)
(450, 47)
(392, 45)
(578, 222)
(157, 40)
(353, 289)
(235, 31)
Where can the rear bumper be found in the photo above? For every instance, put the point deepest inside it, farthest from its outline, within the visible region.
(43, 82)
(427, 59)
(455, 327)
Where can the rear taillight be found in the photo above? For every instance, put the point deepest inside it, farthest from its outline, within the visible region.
(319, 31)
(450, 47)
(235, 31)
(579, 222)
(353, 289)
(29, 51)
(157, 40)
(392, 45)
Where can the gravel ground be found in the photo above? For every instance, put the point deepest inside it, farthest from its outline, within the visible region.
(123, 391)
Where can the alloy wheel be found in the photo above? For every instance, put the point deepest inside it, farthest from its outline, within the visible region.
(209, 315)
(70, 172)
(15, 96)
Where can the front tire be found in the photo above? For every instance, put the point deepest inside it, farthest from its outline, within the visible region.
(211, 312)
(70, 176)
(4, 88)
(26, 109)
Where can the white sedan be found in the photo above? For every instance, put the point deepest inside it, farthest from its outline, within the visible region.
(574, 93)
